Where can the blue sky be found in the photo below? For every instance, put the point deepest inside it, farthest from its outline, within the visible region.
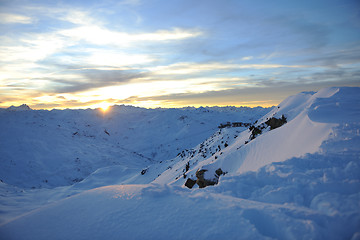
(157, 53)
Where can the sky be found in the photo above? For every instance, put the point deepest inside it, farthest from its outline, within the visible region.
(174, 53)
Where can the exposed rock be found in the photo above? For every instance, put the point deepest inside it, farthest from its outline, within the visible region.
(190, 183)
(144, 171)
(272, 122)
(203, 182)
(219, 172)
(276, 122)
(255, 131)
(187, 167)
(234, 124)
(225, 125)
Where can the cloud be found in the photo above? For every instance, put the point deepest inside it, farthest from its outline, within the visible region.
(116, 59)
(44, 57)
(242, 96)
(192, 67)
(241, 29)
(247, 58)
(53, 102)
(337, 57)
(8, 18)
(101, 36)
(92, 78)
(75, 16)
(88, 35)
(185, 51)
(33, 48)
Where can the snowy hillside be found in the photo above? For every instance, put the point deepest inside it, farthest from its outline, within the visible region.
(62, 147)
(292, 174)
(303, 132)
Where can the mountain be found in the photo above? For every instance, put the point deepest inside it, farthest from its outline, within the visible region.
(305, 130)
(292, 174)
(22, 107)
(62, 147)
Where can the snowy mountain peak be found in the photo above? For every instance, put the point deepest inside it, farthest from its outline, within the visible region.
(22, 107)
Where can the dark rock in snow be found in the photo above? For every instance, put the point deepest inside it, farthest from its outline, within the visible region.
(254, 132)
(190, 183)
(187, 167)
(219, 172)
(276, 122)
(203, 182)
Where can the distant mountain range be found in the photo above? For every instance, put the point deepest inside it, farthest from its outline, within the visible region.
(62, 147)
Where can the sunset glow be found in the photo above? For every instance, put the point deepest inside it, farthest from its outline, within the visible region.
(157, 53)
(104, 106)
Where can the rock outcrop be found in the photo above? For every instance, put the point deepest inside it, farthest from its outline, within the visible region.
(190, 183)
(204, 181)
(276, 122)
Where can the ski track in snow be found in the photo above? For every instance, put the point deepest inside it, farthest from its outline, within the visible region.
(298, 181)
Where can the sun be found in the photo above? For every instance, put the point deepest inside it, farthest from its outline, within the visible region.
(104, 106)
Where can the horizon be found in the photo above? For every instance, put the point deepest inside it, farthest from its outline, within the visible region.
(151, 54)
(106, 108)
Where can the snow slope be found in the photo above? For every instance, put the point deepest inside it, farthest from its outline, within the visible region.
(63, 147)
(302, 134)
(298, 181)
(164, 212)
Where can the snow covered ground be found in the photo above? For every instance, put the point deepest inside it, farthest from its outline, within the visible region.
(300, 180)
(62, 147)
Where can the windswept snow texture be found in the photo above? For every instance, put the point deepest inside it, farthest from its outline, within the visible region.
(298, 181)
